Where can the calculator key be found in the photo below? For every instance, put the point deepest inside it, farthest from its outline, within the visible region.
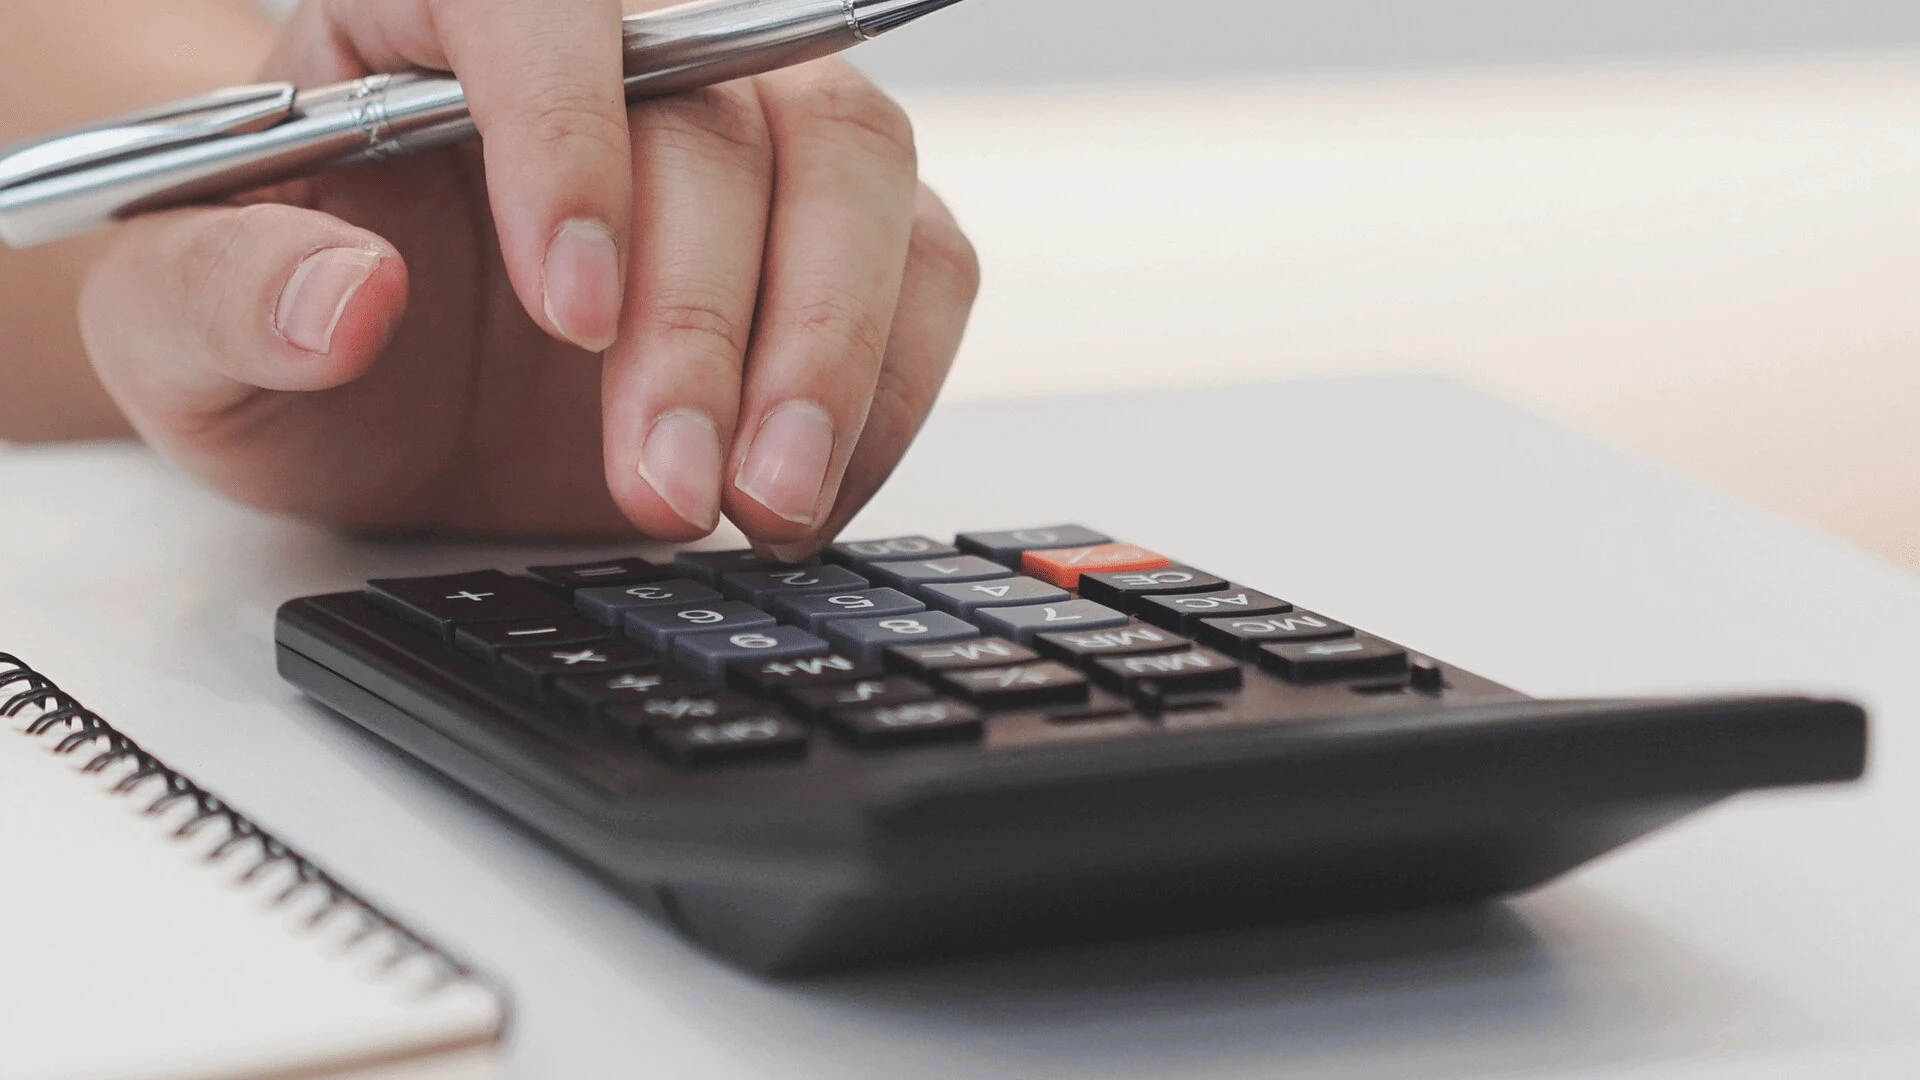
(931, 660)
(1063, 566)
(536, 669)
(1243, 636)
(815, 611)
(884, 726)
(1182, 613)
(964, 599)
(746, 738)
(870, 638)
(772, 678)
(709, 654)
(599, 575)
(1123, 590)
(1165, 674)
(676, 704)
(707, 567)
(609, 606)
(909, 576)
(589, 692)
(485, 640)
(1321, 661)
(1023, 623)
(762, 587)
(1007, 547)
(659, 626)
(439, 604)
(1029, 686)
(1081, 647)
(859, 553)
(813, 702)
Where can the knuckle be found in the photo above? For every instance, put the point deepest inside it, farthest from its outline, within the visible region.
(703, 321)
(845, 325)
(720, 122)
(566, 119)
(942, 246)
(839, 100)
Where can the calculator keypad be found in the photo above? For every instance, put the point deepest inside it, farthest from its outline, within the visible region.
(1058, 632)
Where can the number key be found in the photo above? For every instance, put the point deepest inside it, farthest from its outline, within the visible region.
(709, 654)
(870, 638)
(861, 553)
(965, 599)
(909, 576)
(659, 626)
(1007, 547)
(1022, 623)
(761, 587)
(816, 610)
(609, 606)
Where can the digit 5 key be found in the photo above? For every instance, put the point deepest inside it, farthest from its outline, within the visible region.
(1062, 567)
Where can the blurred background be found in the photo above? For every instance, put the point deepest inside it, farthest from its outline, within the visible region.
(1688, 227)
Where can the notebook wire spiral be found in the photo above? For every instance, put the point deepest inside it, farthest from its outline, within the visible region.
(57, 715)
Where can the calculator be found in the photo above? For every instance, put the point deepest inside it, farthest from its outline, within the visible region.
(915, 748)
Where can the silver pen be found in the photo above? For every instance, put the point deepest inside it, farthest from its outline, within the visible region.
(234, 140)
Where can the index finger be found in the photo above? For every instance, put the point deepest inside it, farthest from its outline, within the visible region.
(544, 82)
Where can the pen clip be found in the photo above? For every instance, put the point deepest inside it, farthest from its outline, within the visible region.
(234, 111)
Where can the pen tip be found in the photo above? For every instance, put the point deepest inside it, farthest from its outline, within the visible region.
(876, 17)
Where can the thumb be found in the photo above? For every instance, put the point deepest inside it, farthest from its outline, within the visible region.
(191, 312)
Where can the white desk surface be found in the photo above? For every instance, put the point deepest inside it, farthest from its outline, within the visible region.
(1770, 937)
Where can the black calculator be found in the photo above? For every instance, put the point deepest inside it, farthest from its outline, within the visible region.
(914, 748)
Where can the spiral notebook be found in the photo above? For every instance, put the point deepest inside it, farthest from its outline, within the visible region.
(150, 931)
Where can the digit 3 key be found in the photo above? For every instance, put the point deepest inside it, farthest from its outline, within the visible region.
(922, 746)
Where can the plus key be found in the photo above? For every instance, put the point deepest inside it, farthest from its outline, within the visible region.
(1062, 567)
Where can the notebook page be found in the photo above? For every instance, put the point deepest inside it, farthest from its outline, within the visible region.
(125, 953)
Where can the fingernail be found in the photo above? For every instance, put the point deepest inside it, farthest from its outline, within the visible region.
(583, 284)
(681, 458)
(317, 295)
(786, 468)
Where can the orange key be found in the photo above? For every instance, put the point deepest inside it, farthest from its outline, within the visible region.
(1062, 567)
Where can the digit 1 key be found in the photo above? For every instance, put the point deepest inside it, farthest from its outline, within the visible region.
(1123, 590)
(1063, 566)
(909, 576)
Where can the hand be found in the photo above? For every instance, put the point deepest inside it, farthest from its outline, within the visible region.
(412, 345)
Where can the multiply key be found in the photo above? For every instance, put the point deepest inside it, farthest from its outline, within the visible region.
(1081, 646)
(535, 669)
(1182, 613)
(1064, 566)
(1123, 590)
(1243, 637)
(1029, 686)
